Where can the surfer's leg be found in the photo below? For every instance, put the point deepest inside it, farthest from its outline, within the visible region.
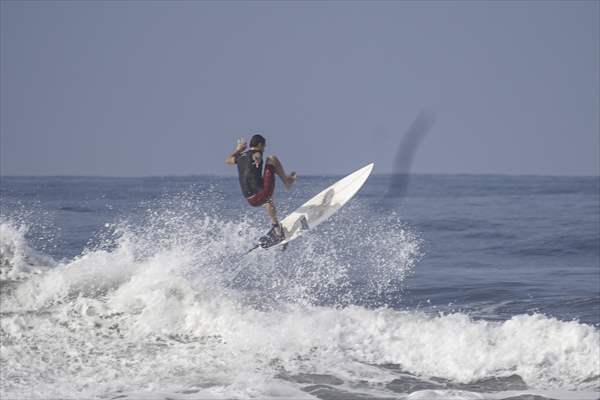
(276, 233)
(287, 180)
(264, 196)
(272, 211)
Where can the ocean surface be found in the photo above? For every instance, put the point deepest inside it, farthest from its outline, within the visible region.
(468, 287)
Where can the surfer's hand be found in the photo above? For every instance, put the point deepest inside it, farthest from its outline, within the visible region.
(241, 145)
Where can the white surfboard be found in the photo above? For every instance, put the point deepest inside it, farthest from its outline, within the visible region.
(323, 205)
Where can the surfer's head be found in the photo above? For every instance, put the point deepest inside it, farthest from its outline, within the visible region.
(258, 142)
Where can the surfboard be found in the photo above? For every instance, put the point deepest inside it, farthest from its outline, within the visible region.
(322, 206)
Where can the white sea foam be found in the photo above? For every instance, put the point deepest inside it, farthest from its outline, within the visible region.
(18, 260)
(155, 312)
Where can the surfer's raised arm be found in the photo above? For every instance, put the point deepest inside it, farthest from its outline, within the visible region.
(239, 149)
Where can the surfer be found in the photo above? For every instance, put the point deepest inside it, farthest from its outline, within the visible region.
(258, 185)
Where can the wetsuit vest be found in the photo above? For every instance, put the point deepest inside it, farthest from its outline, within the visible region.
(250, 175)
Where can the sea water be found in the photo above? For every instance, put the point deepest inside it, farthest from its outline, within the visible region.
(468, 287)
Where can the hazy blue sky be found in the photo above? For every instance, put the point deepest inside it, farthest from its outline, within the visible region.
(155, 88)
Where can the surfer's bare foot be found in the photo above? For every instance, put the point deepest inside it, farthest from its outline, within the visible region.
(289, 180)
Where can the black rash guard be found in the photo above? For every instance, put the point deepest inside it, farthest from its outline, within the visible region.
(251, 180)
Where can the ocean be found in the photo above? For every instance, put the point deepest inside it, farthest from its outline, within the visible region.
(467, 287)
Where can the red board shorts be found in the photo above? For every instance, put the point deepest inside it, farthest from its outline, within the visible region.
(262, 197)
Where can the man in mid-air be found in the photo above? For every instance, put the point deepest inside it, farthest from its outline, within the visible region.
(258, 186)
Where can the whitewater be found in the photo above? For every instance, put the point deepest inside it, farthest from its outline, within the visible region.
(138, 289)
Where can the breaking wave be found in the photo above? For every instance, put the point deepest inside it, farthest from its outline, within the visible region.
(169, 305)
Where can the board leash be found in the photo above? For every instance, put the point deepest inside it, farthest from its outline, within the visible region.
(251, 250)
(235, 273)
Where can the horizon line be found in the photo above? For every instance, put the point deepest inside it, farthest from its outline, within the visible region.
(307, 175)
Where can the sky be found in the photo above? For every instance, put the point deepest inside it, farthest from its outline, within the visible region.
(165, 88)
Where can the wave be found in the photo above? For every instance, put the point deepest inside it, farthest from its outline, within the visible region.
(18, 260)
(227, 348)
(169, 302)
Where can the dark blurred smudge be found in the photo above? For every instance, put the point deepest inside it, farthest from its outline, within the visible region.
(405, 155)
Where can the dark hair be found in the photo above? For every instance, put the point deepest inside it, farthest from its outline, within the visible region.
(256, 140)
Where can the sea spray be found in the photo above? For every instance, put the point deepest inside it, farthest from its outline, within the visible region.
(18, 259)
(149, 309)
